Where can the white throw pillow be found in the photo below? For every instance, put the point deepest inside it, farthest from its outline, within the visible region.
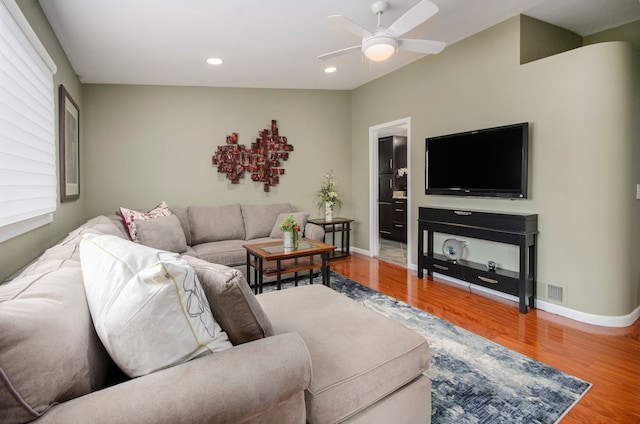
(147, 305)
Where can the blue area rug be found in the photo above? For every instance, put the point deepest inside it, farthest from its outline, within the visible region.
(474, 380)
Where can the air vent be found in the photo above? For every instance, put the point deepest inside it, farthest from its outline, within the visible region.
(555, 293)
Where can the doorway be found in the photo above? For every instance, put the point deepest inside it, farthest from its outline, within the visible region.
(388, 248)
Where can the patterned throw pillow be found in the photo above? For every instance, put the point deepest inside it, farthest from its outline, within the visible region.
(129, 217)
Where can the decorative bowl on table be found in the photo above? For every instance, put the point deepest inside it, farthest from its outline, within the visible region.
(453, 249)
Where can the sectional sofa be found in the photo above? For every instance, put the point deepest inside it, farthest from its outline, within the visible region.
(217, 233)
(305, 354)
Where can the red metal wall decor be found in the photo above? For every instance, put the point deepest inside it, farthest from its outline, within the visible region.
(263, 159)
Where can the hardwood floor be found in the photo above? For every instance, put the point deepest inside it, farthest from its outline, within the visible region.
(609, 358)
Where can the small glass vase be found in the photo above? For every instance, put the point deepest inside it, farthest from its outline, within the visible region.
(328, 211)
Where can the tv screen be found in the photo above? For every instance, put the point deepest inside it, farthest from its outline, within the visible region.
(491, 162)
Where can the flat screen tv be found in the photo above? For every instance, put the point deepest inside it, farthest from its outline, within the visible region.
(490, 162)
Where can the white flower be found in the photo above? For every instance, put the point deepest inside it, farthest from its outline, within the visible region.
(327, 193)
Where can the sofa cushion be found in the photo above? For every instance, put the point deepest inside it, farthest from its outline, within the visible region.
(183, 216)
(98, 225)
(163, 233)
(358, 356)
(233, 304)
(147, 305)
(116, 219)
(259, 219)
(49, 351)
(130, 217)
(299, 217)
(53, 259)
(215, 223)
(67, 250)
(226, 252)
(314, 232)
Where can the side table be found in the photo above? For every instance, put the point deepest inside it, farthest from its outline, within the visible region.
(333, 226)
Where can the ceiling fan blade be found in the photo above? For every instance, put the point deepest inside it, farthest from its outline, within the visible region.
(339, 52)
(412, 18)
(422, 46)
(348, 25)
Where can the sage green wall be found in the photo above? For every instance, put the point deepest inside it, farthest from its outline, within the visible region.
(582, 151)
(20, 250)
(539, 39)
(145, 144)
(629, 32)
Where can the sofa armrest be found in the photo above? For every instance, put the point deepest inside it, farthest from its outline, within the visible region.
(313, 231)
(226, 387)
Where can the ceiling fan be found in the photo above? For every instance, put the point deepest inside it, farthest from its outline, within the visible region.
(380, 44)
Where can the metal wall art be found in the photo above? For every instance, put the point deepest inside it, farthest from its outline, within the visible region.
(263, 160)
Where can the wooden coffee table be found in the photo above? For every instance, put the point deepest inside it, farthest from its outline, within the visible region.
(272, 259)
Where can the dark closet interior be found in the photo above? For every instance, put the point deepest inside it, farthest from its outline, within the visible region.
(392, 188)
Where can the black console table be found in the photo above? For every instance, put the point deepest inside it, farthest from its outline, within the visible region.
(515, 229)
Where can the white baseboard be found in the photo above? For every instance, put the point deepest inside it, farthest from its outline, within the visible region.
(360, 251)
(601, 320)
(587, 318)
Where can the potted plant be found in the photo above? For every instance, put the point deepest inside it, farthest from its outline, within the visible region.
(290, 230)
(328, 196)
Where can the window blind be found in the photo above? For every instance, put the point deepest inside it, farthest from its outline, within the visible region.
(27, 127)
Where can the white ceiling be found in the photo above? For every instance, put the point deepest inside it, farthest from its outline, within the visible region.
(275, 43)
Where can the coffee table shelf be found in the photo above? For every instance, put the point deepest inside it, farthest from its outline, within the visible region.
(287, 266)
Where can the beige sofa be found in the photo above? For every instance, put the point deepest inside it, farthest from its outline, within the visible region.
(217, 233)
(306, 354)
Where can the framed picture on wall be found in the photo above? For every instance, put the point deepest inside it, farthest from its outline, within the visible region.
(69, 127)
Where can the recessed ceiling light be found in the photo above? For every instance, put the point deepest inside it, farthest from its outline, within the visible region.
(214, 61)
(330, 69)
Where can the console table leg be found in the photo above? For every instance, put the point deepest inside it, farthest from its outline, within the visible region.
(523, 306)
(429, 251)
(522, 281)
(420, 251)
(532, 271)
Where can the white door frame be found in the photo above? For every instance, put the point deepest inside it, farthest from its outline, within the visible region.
(374, 133)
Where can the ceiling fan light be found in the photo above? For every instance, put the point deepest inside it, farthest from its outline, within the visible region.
(379, 48)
